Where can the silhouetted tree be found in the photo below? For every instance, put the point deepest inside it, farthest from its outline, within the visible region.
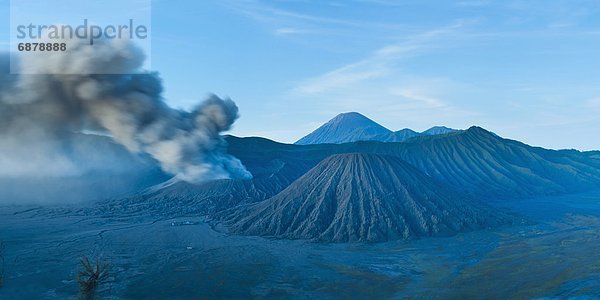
(90, 277)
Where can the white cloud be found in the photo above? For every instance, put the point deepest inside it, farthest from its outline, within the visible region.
(418, 96)
(290, 31)
(342, 77)
(265, 13)
(378, 64)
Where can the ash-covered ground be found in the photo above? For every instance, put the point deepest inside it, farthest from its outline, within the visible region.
(556, 254)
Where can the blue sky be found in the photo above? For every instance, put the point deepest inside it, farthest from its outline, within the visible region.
(527, 70)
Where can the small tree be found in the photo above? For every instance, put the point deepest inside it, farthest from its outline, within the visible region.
(90, 277)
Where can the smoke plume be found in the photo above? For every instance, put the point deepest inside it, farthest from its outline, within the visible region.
(37, 112)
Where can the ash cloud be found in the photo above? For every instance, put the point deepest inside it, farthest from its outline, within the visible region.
(38, 112)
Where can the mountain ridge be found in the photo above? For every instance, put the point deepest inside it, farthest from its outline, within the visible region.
(478, 162)
(472, 162)
(362, 197)
(352, 126)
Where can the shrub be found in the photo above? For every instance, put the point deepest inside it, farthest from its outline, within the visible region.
(91, 276)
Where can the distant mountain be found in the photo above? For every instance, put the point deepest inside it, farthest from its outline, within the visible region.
(352, 127)
(438, 130)
(362, 197)
(473, 161)
(345, 128)
(399, 136)
(479, 162)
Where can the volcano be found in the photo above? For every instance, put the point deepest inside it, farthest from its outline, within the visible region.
(345, 128)
(352, 127)
(362, 197)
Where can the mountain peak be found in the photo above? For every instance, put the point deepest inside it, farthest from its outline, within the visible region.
(435, 130)
(480, 132)
(351, 114)
(345, 128)
(354, 118)
(353, 126)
